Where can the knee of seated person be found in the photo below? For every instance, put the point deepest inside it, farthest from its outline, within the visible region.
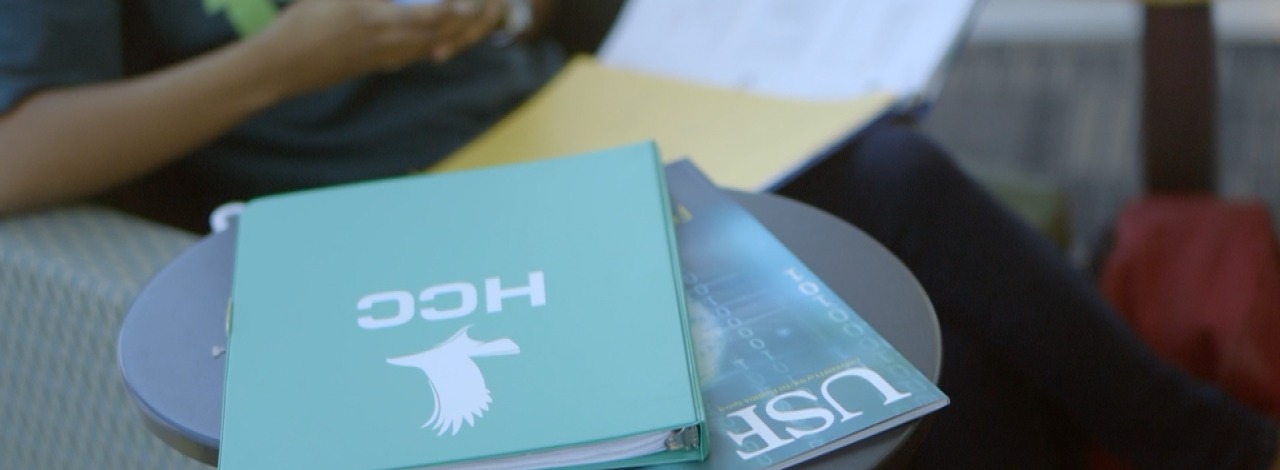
(903, 159)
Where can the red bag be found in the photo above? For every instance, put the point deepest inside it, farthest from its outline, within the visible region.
(1198, 279)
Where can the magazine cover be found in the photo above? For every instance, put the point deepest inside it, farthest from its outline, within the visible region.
(788, 370)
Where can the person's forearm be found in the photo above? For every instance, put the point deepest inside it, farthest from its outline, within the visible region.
(71, 142)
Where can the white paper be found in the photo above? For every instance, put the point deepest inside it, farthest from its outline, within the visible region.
(810, 49)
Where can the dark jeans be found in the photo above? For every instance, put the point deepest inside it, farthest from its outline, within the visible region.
(1031, 352)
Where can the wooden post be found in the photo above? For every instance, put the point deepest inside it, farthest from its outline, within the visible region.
(1179, 103)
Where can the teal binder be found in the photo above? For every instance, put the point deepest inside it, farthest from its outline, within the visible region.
(507, 316)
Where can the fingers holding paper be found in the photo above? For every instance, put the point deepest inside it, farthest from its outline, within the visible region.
(317, 43)
(462, 23)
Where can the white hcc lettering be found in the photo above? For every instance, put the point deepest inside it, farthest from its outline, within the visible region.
(467, 300)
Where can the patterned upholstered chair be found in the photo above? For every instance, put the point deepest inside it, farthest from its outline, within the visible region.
(67, 277)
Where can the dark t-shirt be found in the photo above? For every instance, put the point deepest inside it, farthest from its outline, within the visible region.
(375, 126)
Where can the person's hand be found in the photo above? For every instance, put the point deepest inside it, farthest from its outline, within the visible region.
(317, 43)
(467, 22)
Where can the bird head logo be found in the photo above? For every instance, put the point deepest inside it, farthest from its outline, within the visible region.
(457, 386)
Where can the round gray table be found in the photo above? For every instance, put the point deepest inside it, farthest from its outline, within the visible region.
(171, 342)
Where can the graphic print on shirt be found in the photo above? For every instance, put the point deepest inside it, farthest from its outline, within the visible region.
(247, 17)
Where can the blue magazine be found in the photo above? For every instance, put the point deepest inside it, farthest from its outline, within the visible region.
(788, 370)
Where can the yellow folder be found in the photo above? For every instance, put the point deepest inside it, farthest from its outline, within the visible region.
(741, 140)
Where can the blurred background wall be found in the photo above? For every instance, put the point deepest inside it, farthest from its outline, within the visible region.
(1051, 90)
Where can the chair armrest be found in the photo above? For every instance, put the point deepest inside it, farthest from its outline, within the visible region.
(67, 277)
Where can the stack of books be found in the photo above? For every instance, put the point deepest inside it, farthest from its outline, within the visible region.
(583, 311)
